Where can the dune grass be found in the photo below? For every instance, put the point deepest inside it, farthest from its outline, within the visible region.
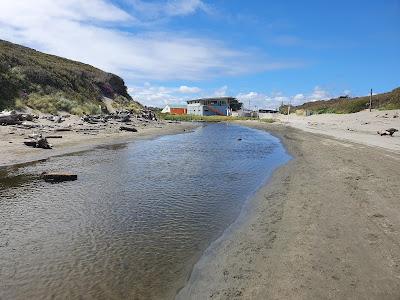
(49, 83)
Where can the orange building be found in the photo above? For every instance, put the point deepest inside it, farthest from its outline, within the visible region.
(175, 109)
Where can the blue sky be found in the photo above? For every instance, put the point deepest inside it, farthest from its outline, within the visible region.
(263, 52)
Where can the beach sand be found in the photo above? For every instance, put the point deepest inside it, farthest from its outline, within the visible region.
(326, 226)
(13, 150)
(359, 127)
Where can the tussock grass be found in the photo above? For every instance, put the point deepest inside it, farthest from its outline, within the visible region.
(54, 103)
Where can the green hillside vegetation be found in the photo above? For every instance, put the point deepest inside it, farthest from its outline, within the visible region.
(48, 83)
(343, 105)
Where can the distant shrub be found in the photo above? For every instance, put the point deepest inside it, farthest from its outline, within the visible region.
(344, 105)
(391, 105)
(43, 103)
(195, 118)
(64, 104)
(19, 104)
(267, 120)
(87, 108)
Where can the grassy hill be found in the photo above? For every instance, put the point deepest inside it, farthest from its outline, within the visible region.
(48, 83)
(342, 105)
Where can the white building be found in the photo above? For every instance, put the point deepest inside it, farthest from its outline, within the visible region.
(218, 106)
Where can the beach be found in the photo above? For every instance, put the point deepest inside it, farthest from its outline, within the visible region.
(325, 226)
(360, 127)
(80, 137)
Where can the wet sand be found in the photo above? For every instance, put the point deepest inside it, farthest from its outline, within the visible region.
(326, 226)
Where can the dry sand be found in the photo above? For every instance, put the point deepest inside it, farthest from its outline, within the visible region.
(13, 150)
(326, 226)
(359, 127)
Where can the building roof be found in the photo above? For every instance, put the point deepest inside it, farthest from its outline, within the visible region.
(176, 105)
(272, 111)
(212, 98)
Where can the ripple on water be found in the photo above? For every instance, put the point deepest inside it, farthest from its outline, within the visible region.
(136, 220)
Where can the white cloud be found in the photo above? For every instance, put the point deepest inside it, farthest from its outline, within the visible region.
(346, 93)
(165, 9)
(24, 13)
(153, 95)
(95, 32)
(318, 94)
(220, 92)
(299, 98)
(184, 7)
(255, 100)
(274, 100)
(189, 89)
(159, 96)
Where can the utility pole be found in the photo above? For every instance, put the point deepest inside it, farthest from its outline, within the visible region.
(370, 101)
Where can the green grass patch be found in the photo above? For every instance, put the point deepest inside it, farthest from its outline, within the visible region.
(54, 103)
(267, 120)
(194, 118)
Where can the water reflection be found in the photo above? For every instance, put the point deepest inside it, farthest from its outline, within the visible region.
(136, 220)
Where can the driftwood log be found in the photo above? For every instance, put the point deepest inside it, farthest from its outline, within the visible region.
(58, 177)
(62, 129)
(14, 118)
(54, 137)
(389, 131)
(10, 119)
(39, 142)
(125, 128)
